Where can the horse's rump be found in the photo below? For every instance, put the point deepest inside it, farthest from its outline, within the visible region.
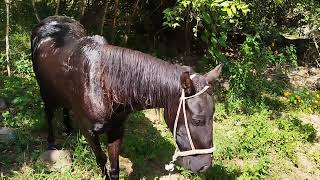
(52, 43)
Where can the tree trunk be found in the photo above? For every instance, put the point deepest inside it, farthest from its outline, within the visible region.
(187, 30)
(93, 14)
(131, 19)
(35, 10)
(104, 17)
(82, 7)
(57, 8)
(135, 7)
(7, 36)
(114, 24)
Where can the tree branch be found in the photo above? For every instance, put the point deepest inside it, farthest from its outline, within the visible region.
(35, 10)
(103, 17)
(57, 8)
(7, 36)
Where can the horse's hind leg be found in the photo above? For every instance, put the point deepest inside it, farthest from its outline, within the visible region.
(66, 121)
(50, 138)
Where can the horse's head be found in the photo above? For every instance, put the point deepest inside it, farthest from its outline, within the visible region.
(196, 116)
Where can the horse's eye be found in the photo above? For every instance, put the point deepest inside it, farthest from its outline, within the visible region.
(197, 120)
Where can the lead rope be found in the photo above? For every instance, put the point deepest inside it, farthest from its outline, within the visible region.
(186, 122)
(170, 167)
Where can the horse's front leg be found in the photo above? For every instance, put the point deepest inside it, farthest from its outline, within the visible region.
(66, 121)
(114, 144)
(93, 139)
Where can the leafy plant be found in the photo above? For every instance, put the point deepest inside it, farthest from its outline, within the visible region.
(303, 99)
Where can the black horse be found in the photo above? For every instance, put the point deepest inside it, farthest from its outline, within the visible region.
(102, 84)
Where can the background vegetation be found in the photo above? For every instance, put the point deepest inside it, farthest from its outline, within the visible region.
(265, 126)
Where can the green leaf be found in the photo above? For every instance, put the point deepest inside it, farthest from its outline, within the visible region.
(245, 9)
(234, 9)
(225, 4)
(222, 40)
(207, 18)
(174, 25)
(229, 12)
(214, 41)
(185, 3)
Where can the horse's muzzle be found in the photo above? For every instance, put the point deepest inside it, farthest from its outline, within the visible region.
(196, 163)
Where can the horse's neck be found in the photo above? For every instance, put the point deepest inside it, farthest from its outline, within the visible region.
(142, 80)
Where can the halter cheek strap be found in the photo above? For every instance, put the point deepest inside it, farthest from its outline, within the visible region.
(193, 151)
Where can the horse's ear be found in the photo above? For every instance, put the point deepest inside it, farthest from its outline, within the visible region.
(186, 83)
(214, 74)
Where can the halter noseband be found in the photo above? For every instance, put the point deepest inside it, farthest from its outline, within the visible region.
(193, 151)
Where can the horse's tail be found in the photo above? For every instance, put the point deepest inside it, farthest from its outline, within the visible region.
(34, 43)
(41, 31)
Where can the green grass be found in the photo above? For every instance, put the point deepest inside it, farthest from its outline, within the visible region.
(267, 143)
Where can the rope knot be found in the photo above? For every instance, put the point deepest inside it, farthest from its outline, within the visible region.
(169, 167)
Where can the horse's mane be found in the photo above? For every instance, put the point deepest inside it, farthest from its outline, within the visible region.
(140, 78)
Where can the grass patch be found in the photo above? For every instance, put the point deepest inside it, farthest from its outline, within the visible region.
(264, 143)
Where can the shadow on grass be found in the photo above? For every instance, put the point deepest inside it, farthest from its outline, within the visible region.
(307, 130)
(143, 144)
(24, 150)
(145, 147)
(25, 116)
(219, 172)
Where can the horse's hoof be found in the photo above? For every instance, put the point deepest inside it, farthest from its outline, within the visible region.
(52, 147)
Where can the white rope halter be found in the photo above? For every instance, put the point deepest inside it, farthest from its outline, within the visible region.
(170, 167)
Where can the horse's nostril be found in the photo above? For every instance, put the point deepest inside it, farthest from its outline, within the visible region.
(203, 168)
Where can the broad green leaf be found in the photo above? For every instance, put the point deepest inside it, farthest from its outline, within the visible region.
(207, 18)
(225, 4)
(174, 25)
(214, 41)
(185, 3)
(229, 12)
(234, 9)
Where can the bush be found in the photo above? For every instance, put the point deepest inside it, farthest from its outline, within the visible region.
(217, 21)
(247, 76)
